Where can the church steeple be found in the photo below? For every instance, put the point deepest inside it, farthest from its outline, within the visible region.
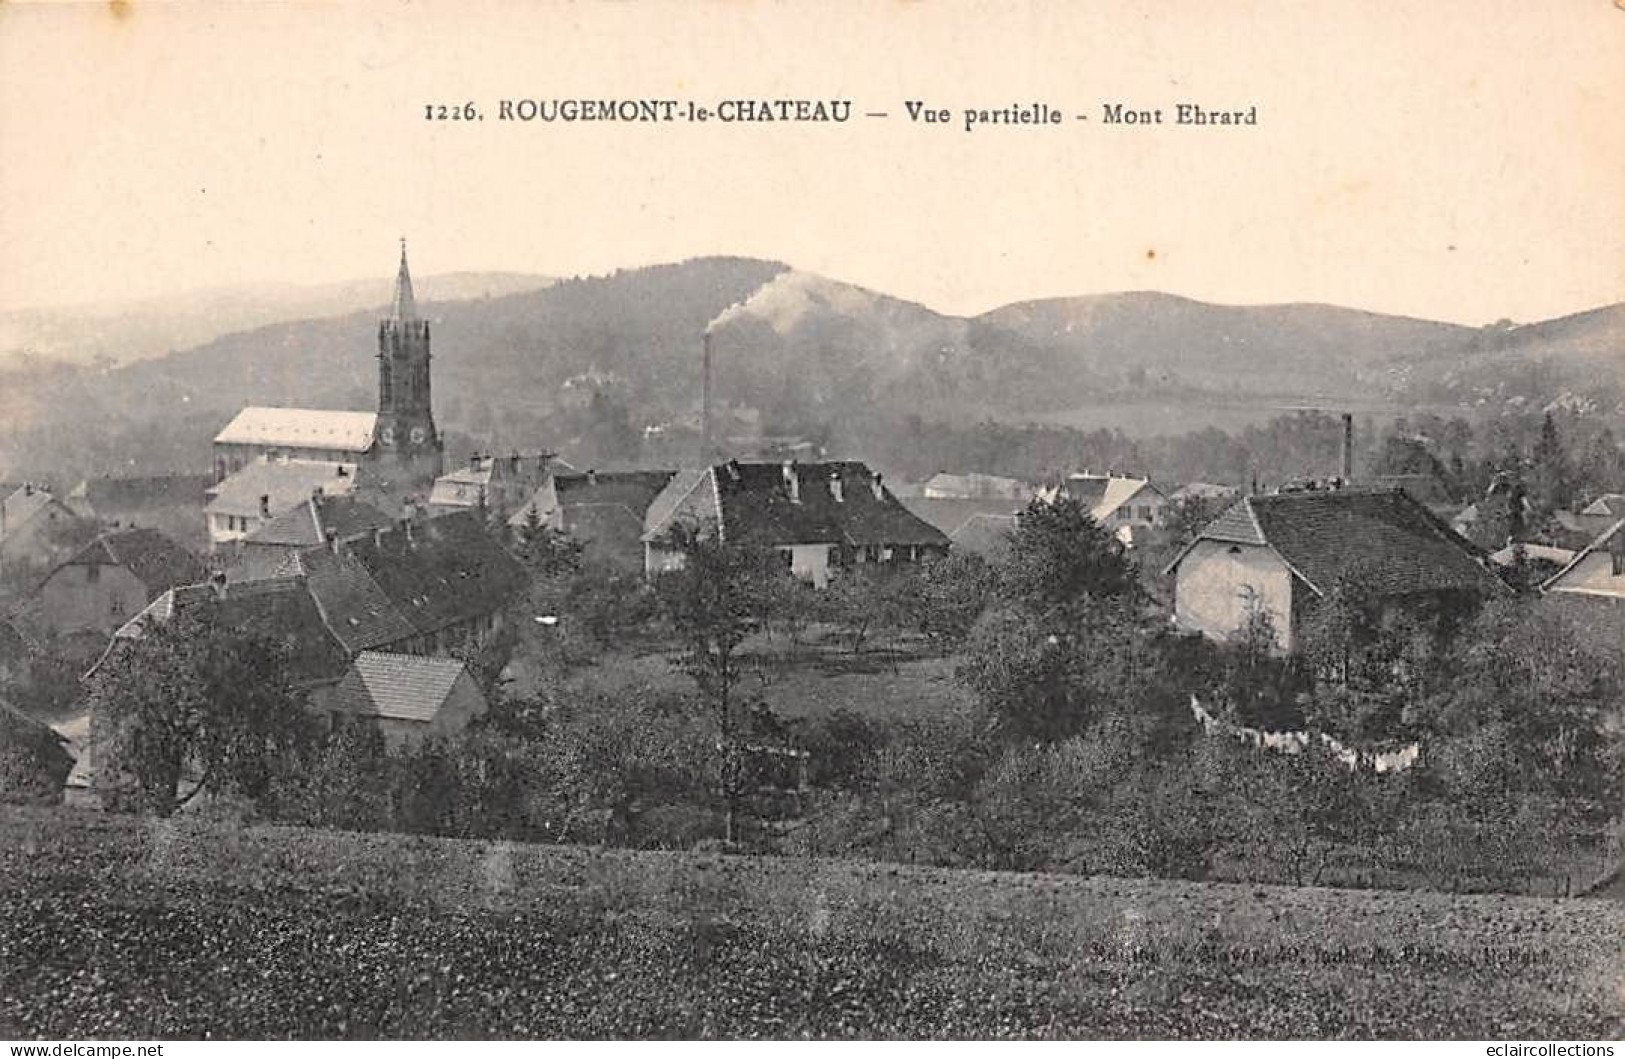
(405, 425)
(404, 307)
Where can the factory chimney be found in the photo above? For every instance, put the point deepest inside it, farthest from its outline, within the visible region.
(1346, 469)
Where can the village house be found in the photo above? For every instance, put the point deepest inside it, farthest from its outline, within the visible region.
(408, 697)
(172, 504)
(603, 510)
(500, 484)
(975, 486)
(282, 609)
(820, 517)
(109, 581)
(264, 489)
(1597, 570)
(37, 530)
(1280, 555)
(320, 519)
(1125, 506)
(1591, 588)
(1498, 518)
(427, 588)
(398, 443)
(981, 527)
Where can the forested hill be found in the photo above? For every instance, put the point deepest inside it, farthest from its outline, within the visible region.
(806, 353)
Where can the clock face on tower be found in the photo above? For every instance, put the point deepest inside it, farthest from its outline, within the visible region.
(418, 434)
(387, 436)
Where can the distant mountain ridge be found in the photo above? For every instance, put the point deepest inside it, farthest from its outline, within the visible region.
(122, 332)
(798, 352)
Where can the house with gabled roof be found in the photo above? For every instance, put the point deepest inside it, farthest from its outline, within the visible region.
(500, 484)
(982, 526)
(1124, 505)
(409, 698)
(821, 517)
(975, 486)
(429, 587)
(320, 519)
(1598, 570)
(172, 504)
(282, 608)
(1284, 553)
(604, 510)
(37, 530)
(1591, 589)
(110, 580)
(264, 489)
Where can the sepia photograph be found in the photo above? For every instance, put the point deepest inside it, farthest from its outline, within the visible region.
(952, 520)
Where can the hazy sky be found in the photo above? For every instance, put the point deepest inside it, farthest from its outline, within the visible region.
(1459, 159)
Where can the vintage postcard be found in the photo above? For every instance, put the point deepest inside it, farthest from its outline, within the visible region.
(788, 520)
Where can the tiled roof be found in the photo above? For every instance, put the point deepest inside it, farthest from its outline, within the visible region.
(416, 579)
(155, 560)
(664, 506)
(1383, 541)
(396, 686)
(356, 609)
(758, 504)
(303, 428)
(985, 535)
(281, 608)
(1605, 540)
(1103, 494)
(303, 525)
(286, 482)
(951, 514)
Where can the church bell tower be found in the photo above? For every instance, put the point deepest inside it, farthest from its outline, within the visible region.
(405, 434)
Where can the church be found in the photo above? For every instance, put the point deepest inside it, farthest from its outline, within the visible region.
(397, 447)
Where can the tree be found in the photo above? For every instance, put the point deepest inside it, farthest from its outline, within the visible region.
(714, 600)
(953, 593)
(33, 762)
(194, 706)
(1060, 562)
(1554, 477)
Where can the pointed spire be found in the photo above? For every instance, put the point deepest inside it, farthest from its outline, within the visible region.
(404, 307)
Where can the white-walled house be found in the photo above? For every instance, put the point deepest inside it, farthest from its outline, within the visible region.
(1282, 554)
(819, 516)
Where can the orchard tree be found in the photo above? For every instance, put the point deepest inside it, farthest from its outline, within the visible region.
(1063, 647)
(717, 598)
(1061, 563)
(194, 705)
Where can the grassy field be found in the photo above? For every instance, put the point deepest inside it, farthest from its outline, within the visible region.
(819, 677)
(116, 927)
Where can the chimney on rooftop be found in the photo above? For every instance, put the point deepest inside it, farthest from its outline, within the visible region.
(792, 481)
(1346, 465)
(265, 505)
(592, 476)
(474, 461)
(837, 488)
(876, 482)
